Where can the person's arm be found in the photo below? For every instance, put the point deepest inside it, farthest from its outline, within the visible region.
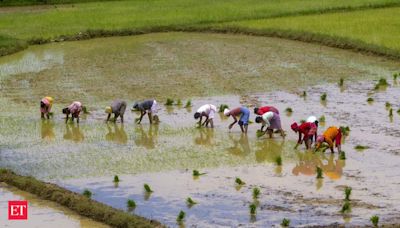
(262, 127)
(298, 141)
(116, 117)
(205, 122)
(142, 113)
(234, 121)
(330, 143)
(108, 117)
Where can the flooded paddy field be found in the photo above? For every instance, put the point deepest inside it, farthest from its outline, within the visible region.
(206, 68)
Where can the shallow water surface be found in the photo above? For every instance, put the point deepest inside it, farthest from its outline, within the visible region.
(206, 68)
(41, 213)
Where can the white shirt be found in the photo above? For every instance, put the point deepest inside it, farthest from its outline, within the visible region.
(311, 119)
(267, 117)
(208, 109)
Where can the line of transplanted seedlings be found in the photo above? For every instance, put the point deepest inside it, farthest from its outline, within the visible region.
(171, 102)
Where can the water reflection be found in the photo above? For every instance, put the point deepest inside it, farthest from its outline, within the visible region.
(116, 133)
(73, 132)
(241, 146)
(47, 130)
(308, 161)
(205, 137)
(268, 150)
(146, 139)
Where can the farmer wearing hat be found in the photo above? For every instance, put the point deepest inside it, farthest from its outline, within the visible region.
(148, 106)
(207, 110)
(332, 134)
(244, 117)
(74, 109)
(118, 108)
(45, 107)
(271, 121)
(308, 130)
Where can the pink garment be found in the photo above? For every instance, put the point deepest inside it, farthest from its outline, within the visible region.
(46, 109)
(75, 108)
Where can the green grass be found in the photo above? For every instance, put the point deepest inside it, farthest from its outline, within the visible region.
(43, 2)
(76, 202)
(374, 30)
(9, 45)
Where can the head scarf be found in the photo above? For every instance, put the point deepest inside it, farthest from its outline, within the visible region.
(108, 110)
(294, 126)
(226, 112)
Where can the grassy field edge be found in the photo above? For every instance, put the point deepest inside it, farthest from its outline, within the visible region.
(326, 40)
(76, 202)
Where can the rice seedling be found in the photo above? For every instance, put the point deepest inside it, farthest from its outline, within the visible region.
(304, 94)
(116, 179)
(131, 204)
(381, 83)
(319, 173)
(169, 102)
(87, 193)
(285, 222)
(289, 110)
(256, 193)
(375, 220)
(322, 119)
(239, 181)
(346, 207)
(345, 130)
(259, 133)
(391, 112)
(179, 102)
(388, 105)
(196, 173)
(278, 160)
(341, 82)
(361, 147)
(302, 121)
(347, 193)
(253, 208)
(398, 111)
(51, 114)
(147, 188)
(342, 155)
(85, 110)
(190, 202)
(188, 104)
(181, 216)
(323, 97)
(370, 99)
(222, 107)
(395, 75)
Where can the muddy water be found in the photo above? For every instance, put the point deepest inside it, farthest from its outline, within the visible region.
(235, 70)
(41, 213)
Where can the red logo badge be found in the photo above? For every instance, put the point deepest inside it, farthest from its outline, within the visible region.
(18, 210)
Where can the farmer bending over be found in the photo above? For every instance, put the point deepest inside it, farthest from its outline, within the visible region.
(208, 111)
(74, 109)
(118, 108)
(148, 106)
(271, 121)
(45, 107)
(244, 117)
(309, 130)
(332, 134)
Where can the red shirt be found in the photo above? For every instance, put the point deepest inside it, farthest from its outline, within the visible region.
(308, 129)
(266, 109)
(235, 112)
